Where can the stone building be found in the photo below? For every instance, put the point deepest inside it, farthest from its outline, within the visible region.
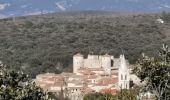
(94, 61)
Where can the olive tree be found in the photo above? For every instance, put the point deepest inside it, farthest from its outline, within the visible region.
(155, 73)
(15, 85)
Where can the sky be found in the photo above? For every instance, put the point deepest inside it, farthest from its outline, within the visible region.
(34, 7)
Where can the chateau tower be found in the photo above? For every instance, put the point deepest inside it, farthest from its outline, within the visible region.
(78, 62)
(123, 78)
(106, 63)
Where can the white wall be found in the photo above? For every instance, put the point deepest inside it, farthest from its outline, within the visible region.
(78, 62)
(124, 78)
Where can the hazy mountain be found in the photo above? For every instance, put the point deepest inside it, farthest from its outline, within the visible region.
(34, 7)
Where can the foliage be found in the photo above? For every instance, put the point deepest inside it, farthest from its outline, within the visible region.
(17, 86)
(124, 94)
(46, 43)
(166, 16)
(98, 96)
(130, 94)
(155, 73)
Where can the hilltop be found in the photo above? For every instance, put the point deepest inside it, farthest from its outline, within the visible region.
(46, 43)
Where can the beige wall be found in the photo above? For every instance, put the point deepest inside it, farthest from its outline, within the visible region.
(92, 63)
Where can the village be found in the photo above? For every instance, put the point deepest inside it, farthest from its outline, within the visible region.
(96, 73)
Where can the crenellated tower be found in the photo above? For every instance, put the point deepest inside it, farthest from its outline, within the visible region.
(78, 62)
(106, 63)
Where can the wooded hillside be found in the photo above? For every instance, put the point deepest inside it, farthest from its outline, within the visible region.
(46, 43)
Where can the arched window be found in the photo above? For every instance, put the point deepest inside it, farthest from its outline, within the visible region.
(125, 77)
(121, 77)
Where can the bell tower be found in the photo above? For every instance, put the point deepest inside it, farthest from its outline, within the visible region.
(124, 78)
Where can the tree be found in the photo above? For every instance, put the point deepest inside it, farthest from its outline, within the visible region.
(98, 96)
(165, 16)
(124, 94)
(15, 85)
(155, 73)
(93, 96)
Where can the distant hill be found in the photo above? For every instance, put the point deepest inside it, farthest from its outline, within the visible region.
(35, 7)
(46, 43)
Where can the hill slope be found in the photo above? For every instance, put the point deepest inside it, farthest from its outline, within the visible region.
(47, 43)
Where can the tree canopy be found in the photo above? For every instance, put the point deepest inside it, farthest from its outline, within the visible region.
(15, 85)
(155, 73)
(124, 94)
(46, 43)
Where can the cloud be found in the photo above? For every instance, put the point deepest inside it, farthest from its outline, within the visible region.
(3, 6)
(61, 7)
(33, 13)
(167, 6)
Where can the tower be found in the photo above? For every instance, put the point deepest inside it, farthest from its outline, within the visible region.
(106, 63)
(78, 62)
(123, 78)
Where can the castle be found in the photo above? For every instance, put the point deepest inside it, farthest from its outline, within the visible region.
(96, 73)
(106, 62)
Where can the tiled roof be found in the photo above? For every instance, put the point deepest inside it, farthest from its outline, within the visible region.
(87, 73)
(83, 82)
(88, 90)
(91, 77)
(107, 81)
(96, 69)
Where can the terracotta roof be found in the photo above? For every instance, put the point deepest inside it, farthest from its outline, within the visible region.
(96, 69)
(87, 73)
(115, 73)
(107, 81)
(87, 90)
(91, 77)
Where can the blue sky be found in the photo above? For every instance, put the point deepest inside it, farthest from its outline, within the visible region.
(33, 7)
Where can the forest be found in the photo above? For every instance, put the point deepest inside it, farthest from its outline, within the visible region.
(46, 43)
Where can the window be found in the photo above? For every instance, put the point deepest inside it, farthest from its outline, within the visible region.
(126, 85)
(125, 77)
(112, 63)
(121, 77)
